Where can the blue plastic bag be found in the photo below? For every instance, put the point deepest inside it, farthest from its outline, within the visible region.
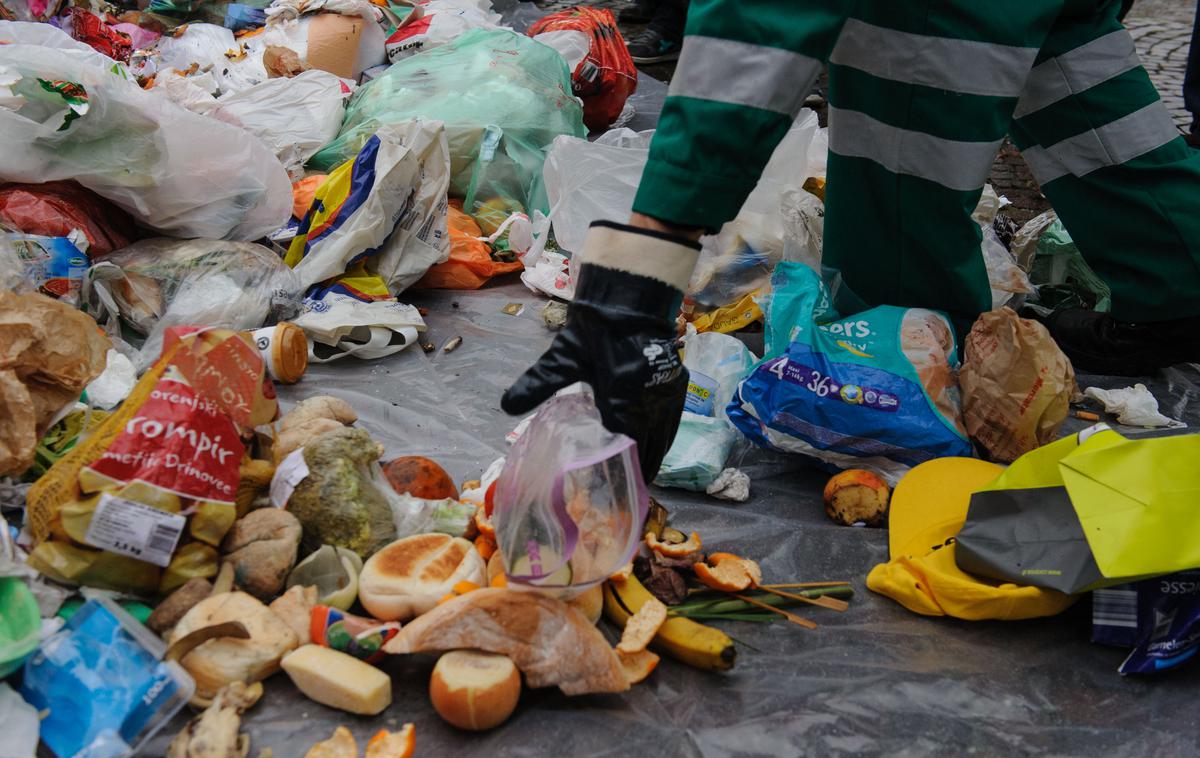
(874, 390)
(104, 684)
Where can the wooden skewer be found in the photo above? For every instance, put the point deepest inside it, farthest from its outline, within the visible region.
(825, 602)
(804, 585)
(798, 621)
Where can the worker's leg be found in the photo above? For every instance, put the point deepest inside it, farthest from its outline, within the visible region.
(745, 70)
(921, 96)
(1191, 82)
(1114, 166)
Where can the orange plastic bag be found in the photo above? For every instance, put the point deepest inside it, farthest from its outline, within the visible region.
(470, 265)
(606, 78)
(303, 192)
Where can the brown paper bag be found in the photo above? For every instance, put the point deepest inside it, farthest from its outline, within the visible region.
(1016, 385)
(48, 353)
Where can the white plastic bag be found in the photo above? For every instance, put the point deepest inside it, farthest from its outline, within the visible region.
(1133, 406)
(716, 363)
(174, 170)
(572, 45)
(436, 22)
(592, 181)
(401, 213)
(748, 247)
(295, 117)
(1007, 279)
(339, 325)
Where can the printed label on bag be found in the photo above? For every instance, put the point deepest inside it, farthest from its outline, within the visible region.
(178, 441)
(824, 386)
(131, 528)
(288, 476)
(701, 394)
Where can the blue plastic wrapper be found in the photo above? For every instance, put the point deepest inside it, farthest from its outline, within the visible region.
(239, 17)
(103, 683)
(873, 390)
(1159, 618)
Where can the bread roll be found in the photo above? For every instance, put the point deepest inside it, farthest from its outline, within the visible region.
(473, 690)
(409, 576)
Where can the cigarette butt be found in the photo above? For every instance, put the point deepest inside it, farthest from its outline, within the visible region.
(1087, 416)
(452, 345)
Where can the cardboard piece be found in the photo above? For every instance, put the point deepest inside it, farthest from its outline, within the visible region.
(333, 41)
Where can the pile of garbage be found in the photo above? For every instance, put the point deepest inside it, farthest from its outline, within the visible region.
(200, 200)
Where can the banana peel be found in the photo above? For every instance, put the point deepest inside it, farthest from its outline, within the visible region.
(687, 641)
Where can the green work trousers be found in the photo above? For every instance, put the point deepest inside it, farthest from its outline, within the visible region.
(922, 93)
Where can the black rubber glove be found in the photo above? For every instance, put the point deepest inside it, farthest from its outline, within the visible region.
(620, 338)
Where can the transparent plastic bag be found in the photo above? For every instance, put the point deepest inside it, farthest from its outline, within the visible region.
(158, 283)
(103, 684)
(593, 181)
(739, 259)
(503, 99)
(570, 502)
(175, 171)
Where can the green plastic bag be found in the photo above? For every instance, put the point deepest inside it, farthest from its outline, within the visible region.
(503, 98)
(1063, 278)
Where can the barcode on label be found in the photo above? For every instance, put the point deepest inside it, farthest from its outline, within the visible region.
(163, 538)
(135, 529)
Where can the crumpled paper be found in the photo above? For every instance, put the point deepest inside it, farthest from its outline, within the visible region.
(731, 484)
(1016, 385)
(48, 353)
(1133, 406)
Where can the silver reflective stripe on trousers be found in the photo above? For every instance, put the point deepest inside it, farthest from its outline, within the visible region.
(739, 73)
(950, 163)
(966, 66)
(1075, 71)
(1114, 143)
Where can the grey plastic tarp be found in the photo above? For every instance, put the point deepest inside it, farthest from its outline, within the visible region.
(876, 679)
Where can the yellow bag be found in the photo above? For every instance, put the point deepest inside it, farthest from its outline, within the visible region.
(154, 487)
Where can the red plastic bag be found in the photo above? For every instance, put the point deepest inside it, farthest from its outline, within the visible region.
(53, 209)
(606, 78)
(91, 30)
(470, 265)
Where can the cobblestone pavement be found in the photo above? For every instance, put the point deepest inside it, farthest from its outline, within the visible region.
(1163, 47)
(1161, 28)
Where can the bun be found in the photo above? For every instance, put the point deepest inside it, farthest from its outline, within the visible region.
(409, 576)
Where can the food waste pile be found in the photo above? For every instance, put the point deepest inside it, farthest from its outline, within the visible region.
(266, 270)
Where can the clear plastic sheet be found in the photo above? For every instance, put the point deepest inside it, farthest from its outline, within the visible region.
(876, 679)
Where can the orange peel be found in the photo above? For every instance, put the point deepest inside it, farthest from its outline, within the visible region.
(727, 576)
(485, 547)
(622, 574)
(400, 744)
(637, 666)
(484, 524)
(752, 567)
(678, 550)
